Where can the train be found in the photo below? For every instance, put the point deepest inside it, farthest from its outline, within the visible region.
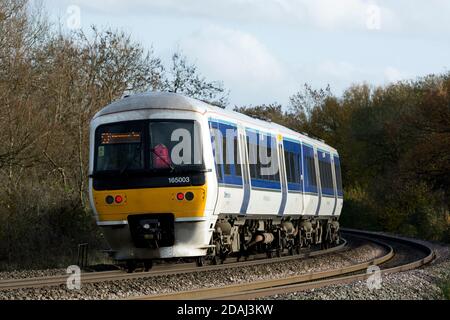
(172, 177)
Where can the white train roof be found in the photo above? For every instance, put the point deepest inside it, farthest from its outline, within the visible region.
(163, 100)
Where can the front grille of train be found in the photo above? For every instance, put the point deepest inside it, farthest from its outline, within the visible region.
(152, 230)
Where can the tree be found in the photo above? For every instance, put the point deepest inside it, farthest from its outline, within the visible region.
(185, 78)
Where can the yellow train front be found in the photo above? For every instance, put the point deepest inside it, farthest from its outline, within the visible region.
(149, 206)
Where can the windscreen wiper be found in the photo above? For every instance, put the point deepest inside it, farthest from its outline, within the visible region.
(125, 167)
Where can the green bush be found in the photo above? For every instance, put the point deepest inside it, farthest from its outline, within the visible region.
(43, 229)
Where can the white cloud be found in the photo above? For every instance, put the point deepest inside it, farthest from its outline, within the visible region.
(401, 16)
(338, 74)
(392, 74)
(305, 36)
(255, 75)
(338, 70)
(341, 74)
(238, 59)
(316, 13)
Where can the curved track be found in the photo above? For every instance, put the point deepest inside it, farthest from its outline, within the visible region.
(164, 269)
(402, 255)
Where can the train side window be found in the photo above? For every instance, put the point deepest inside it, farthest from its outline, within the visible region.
(292, 172)
(326, 175)
(268, 146)
(232, 158)
(217, 145)
(337, 170)
(292, 155)
(252, 155)
(260, 145)
(310, 169)
(287, 161)
(226, 162)
(297, 168)
(237, 157)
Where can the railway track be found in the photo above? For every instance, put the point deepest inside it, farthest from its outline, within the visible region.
(402, 255)
(165, 269)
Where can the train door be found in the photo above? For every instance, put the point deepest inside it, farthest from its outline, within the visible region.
(327, 183)
(333, 170)
(294, 176)
(282, 168)
(228, 165)
(339, 190)
(311, 194)
(316, 164)
(245, 170)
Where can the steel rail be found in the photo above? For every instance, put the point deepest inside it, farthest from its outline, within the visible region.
(237, 290)
(87, 277)
(311, 280)
(297, 287)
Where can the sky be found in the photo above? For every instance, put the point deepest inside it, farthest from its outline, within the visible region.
(265, 50)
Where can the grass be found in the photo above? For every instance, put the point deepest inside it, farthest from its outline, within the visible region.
(445, 287)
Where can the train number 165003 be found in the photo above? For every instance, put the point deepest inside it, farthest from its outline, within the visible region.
(179, 180)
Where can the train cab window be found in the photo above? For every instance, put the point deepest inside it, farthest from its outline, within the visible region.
(119, 147)
(174, 144)
(148, 145)
(326, 175)
(310, 170)
(337, 170)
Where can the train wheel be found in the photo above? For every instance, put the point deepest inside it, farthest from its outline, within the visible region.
(148, 265)
(223, 257)
(130, 266)
(215, 260)
(200, 261)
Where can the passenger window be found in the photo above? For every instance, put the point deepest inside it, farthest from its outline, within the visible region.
(237, 158)
(293, 171)
(226, 162)
(258, 145)
(326, 175)
(310, 169)
(337, 170)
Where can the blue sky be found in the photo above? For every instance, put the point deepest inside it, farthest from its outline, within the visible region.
(265, 50)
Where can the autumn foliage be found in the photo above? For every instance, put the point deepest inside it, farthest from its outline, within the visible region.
(51, 85)
(394, 141)
(394, 144)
